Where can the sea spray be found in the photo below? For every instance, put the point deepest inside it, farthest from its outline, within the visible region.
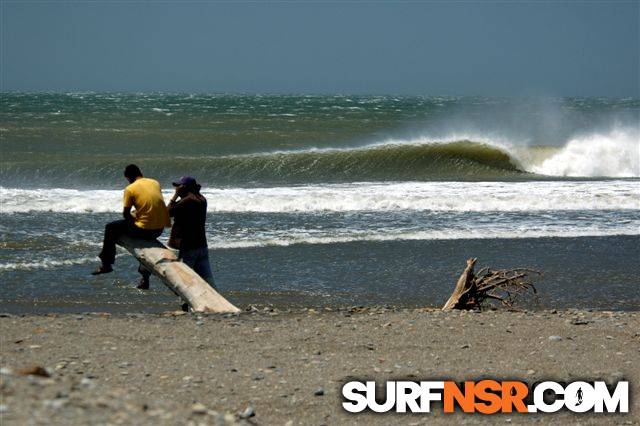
(612, 154)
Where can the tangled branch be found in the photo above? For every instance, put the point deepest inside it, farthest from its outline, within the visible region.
(507, 286)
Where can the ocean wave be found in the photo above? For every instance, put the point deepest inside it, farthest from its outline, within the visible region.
(380, 197)
(465, 157)
(612, 154)
(391, 160)
(388, 161)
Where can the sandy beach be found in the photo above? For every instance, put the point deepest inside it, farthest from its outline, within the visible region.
(271, 366)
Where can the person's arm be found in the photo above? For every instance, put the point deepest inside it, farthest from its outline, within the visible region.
(174, 205)
(128, 203)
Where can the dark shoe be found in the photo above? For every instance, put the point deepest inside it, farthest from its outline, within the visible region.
(144, 283)
(103, 269)
(185, 307)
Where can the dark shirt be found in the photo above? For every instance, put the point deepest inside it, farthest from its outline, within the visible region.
(189, 215)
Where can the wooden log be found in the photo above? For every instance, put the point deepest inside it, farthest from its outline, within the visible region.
(462, 286)
(181, 279)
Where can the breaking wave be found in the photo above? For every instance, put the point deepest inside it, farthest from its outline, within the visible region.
(613, 154)
(393, 160)
(389, 161)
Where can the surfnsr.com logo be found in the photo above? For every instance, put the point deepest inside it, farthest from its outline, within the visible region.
(486, 397)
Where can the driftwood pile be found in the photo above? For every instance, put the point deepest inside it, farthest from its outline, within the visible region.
(506, 286)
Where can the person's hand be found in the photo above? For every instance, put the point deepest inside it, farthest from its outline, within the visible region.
(178, 193)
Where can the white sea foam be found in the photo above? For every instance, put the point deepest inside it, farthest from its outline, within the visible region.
(416, 196)
(292, 238)
(45, 264)
(48, 263)
(613, 154)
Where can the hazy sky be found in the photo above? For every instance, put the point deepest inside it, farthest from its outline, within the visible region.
(455, 48)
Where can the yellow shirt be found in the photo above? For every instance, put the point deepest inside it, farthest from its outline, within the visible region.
(151, 211)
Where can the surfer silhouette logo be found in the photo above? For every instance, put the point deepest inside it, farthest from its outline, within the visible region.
(579, 396)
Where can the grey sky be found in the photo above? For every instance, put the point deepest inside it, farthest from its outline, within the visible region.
(457, 48)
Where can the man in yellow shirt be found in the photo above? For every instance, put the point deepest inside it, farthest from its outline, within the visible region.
(148, 221)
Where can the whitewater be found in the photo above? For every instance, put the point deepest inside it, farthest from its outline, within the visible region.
(612, 154)
(375, 197)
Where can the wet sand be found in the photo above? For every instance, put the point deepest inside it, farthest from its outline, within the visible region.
(287, 367)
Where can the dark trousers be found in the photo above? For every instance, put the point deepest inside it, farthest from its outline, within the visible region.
(118, 228)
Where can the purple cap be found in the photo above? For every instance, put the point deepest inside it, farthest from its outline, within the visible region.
(185, 180)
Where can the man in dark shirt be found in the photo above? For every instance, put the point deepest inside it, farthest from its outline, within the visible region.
(189, 211)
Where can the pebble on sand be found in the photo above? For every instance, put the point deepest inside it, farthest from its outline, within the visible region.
(247, 413)
(198, 408)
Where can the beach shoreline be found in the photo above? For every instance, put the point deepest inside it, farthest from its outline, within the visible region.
(410, 274)
(288, 366)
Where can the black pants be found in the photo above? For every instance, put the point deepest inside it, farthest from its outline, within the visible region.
(118, 228)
